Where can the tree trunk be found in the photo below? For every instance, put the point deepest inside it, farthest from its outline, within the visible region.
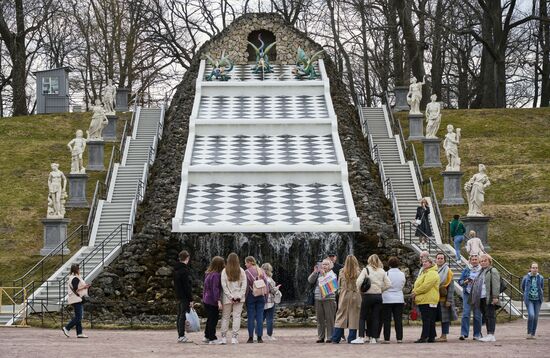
(397, 58)
(366, 54)
(19, 76)
(437, 58)
(544, 40)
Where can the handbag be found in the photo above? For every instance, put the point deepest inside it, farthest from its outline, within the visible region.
(442, 291)
(277, 296)
(413, 315)
(418, 221)
(365, 286)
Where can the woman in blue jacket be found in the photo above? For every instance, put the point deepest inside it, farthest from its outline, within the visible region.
(532, 286)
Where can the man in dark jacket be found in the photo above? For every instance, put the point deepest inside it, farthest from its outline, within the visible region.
(184, 293)
(337, 266)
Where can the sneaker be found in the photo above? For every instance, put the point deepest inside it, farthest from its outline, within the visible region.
(205, 340)
(462, 337)
(488, 338)
(271, 338)
(234, 340)
(477, 338)
(184, 339)
(250, 340)
(358, 340)
(529, 336)
(222, 340)
(328, 341)
(320, 341)
(214, 341)
(399, 341)
(81, 336)
(260, 340)
(443, 338)
(65, 332)
(372, 341)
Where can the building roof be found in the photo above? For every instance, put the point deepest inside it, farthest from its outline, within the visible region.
(66, 68)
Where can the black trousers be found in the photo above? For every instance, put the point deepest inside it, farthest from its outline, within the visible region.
(212, 316)
(371, 307)
(428, 321)
(395, 310)
(183, 307)
(489, 315)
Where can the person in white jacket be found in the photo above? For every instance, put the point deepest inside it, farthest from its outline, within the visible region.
(233, 297)
(393, 301)
(474, 246)
(371, 304)
(76, 288)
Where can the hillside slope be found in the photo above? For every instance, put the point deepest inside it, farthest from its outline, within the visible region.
(514, 144)
(29, 144)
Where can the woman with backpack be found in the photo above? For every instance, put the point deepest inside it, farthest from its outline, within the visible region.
(257, 289)
(273, 297)
(234, 291)
(485, 292)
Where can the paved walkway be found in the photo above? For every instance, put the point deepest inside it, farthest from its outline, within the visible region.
(34, 342)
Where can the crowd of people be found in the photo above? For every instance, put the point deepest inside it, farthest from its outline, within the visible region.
(363, 301)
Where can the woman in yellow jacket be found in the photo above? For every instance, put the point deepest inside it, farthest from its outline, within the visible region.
(426, 296)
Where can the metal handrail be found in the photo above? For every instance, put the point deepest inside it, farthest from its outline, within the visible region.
(39, 266)
(417, 169)
(431, 192)
(99, 194)
(115, 158)
(395, 122)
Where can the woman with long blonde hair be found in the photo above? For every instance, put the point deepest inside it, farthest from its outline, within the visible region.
(234, 290)
(349, 302)
(371, 305)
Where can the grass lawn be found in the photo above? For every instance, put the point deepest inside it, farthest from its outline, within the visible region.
(29, 144)
(514, 144)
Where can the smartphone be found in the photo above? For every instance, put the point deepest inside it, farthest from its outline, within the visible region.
(319, 265)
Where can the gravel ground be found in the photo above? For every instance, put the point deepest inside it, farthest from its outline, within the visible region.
(34, 342)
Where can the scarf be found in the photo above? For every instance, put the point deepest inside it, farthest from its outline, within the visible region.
(477, 287)
(443, 272)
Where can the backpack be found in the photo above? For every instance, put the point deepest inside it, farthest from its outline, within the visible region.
(259, 288)
(503, 284)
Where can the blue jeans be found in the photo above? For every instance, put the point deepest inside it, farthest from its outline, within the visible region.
(77, 319)
(255, 311)
(533, 309)
(268, 317)
(458, 241)
(465, 324)
(339, 332)
(445, 328)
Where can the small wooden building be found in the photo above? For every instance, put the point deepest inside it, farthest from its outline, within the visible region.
(52, 90)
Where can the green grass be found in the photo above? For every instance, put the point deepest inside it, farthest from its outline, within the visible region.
(514, 144)
(29, 144)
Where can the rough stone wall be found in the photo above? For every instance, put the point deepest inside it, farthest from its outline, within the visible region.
(234, 39)
(139, 281)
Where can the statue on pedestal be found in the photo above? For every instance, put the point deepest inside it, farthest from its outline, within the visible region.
(99, 121)
(433, 117)
(77, 146)
(57, 193)
(450, 144)
(415, 96)
(475, 191)
(109, 97)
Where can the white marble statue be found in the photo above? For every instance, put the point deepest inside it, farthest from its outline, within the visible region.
(77, 146)
(109, 97)
(57, 193)
(99, 121)
(475, 191)
(450, 144)
(433, 117)
(415, 96)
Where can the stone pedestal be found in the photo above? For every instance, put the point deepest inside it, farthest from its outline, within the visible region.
(400, 93)
(452, 188)
(416, 127)
(55, 232)
(77, 191)
(122, 95)
(96, 153)
(431, 153)
(109, 132)
(480, 224)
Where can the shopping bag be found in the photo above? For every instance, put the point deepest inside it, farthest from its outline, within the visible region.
(192, 322)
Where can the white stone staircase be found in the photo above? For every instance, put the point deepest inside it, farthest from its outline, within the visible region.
(114, 218)
(388, 152)
(264, 156)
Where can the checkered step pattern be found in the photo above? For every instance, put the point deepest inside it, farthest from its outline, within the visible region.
(265, 204)
(262, 107)
(263, 150)
(244, 73)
